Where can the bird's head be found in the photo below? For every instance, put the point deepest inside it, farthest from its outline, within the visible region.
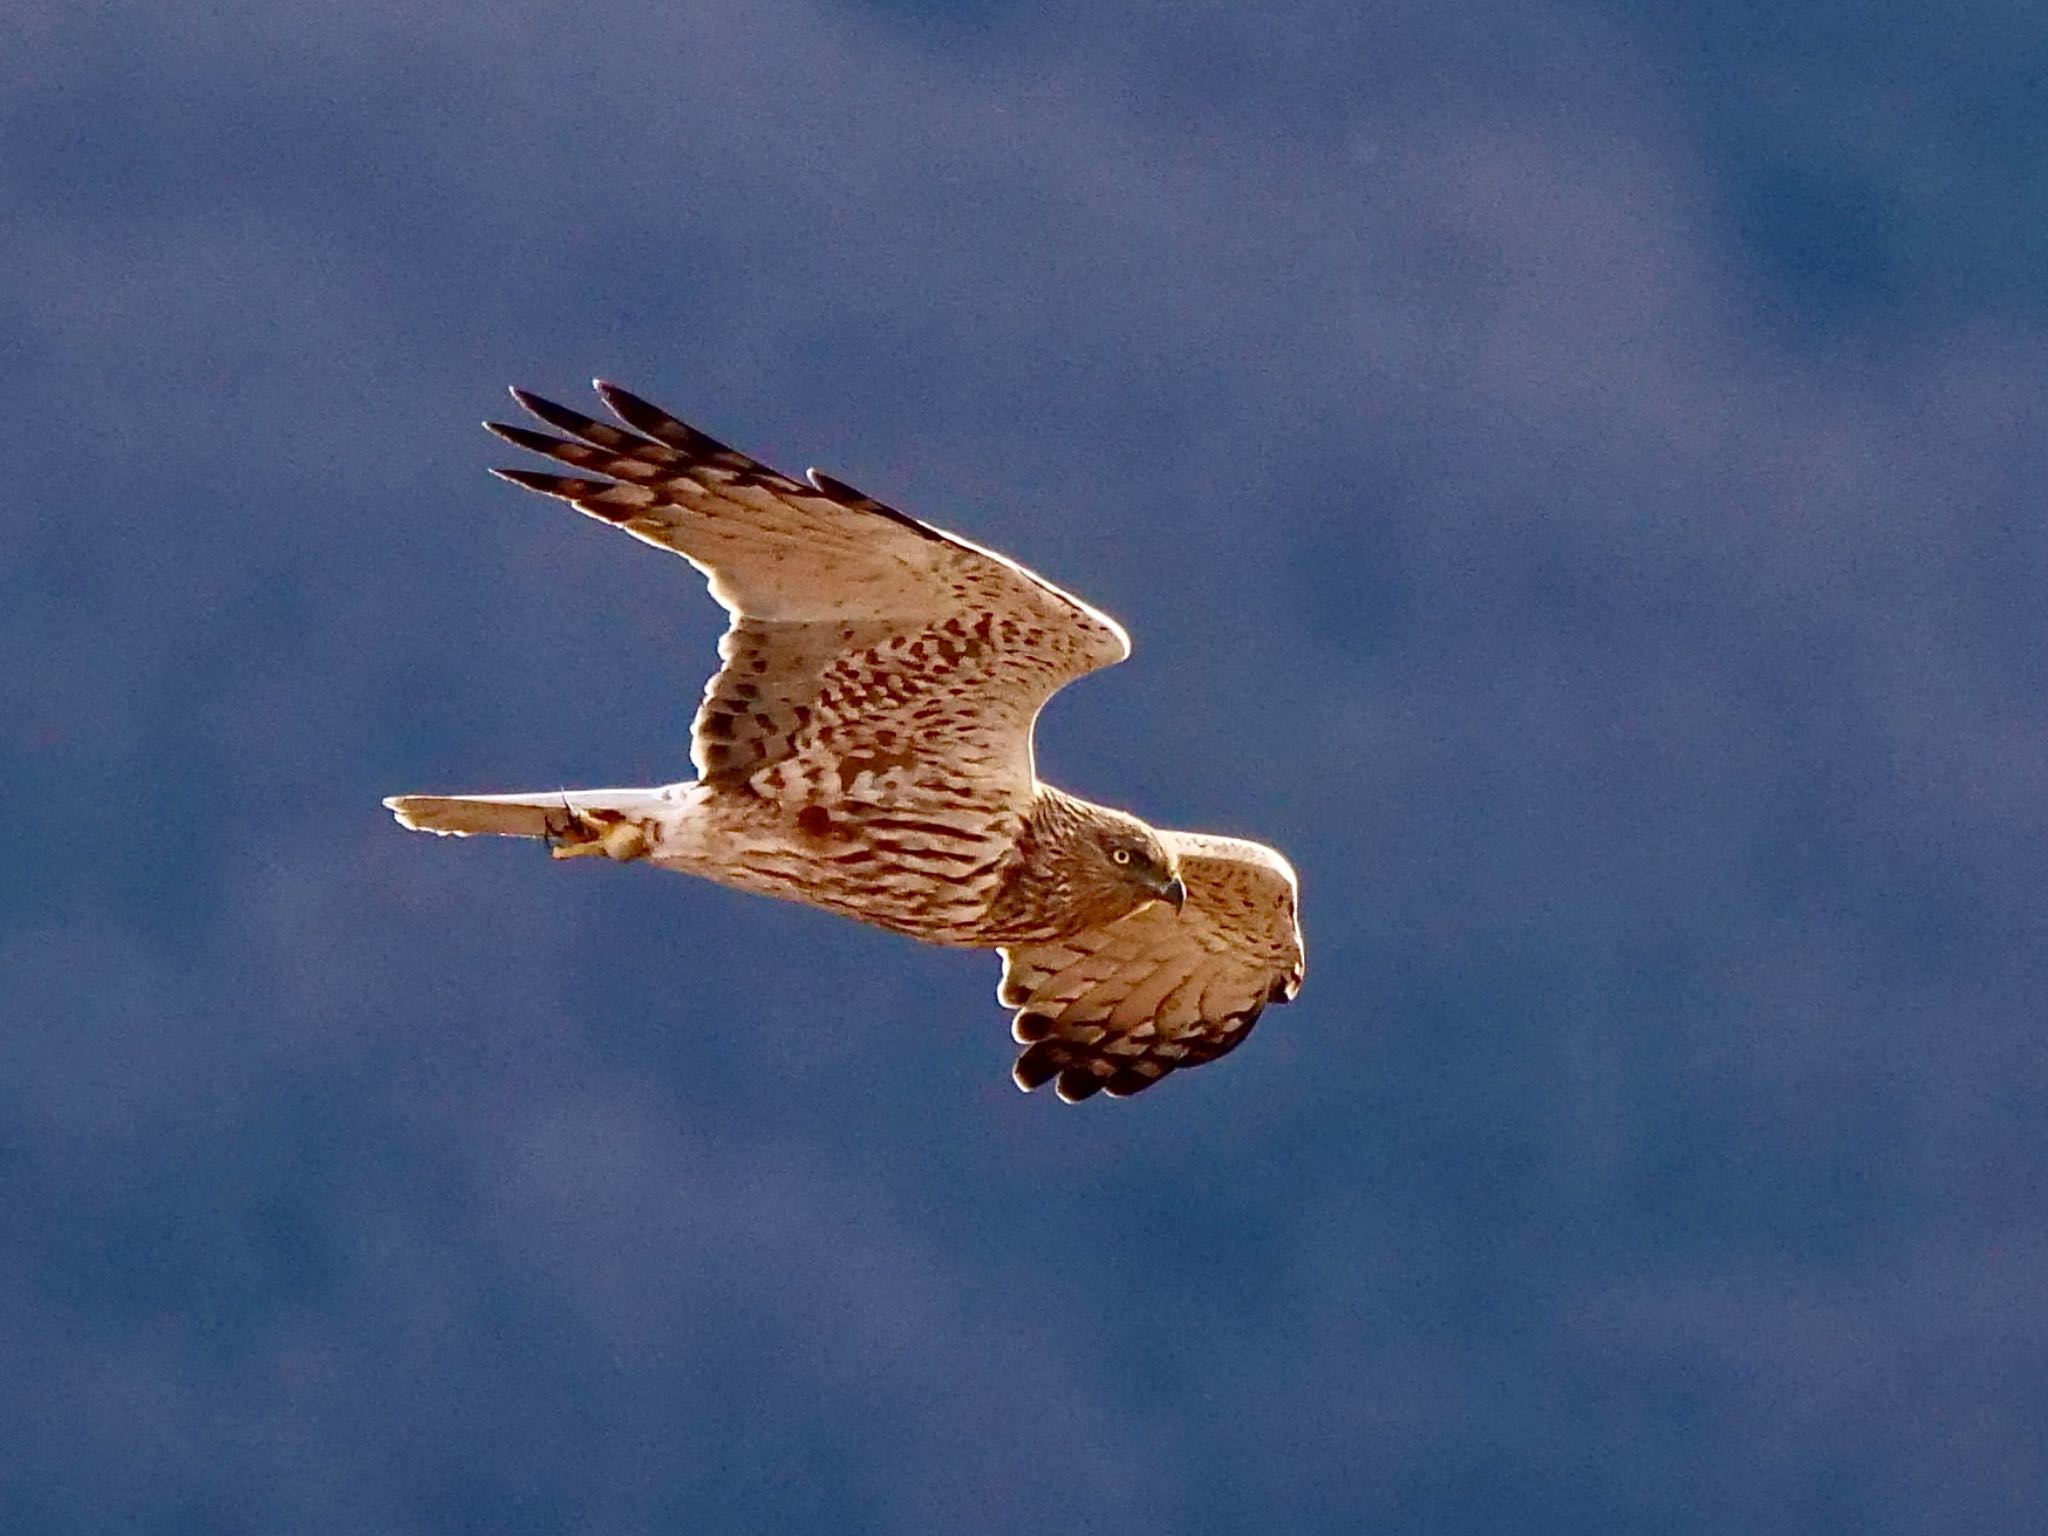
(1122, 863)
(1086, 864)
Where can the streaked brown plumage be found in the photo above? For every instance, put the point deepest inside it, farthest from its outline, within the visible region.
(866, 747)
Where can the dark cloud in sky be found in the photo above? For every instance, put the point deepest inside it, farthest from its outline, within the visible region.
(1575, 484)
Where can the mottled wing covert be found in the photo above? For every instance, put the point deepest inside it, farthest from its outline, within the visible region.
(1114, 1009)
(858, 633)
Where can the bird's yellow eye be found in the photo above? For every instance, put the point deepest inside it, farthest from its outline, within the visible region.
(1122, 856)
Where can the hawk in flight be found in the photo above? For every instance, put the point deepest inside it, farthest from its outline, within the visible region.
(866, 748)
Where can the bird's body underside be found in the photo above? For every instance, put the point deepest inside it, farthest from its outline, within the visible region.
(866, 748)
(934, 871)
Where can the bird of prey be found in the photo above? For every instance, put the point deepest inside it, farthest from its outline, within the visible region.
(866, 748)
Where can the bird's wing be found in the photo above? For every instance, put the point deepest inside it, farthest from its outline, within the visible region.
(1117, 1007)
(865, 646)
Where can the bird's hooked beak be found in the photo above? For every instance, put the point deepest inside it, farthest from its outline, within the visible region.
(1174, 893)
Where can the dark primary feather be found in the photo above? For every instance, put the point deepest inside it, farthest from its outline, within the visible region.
(576, 424)
(568, 487)
(645, 417)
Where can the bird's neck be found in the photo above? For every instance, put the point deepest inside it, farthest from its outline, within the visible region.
(1058, 817)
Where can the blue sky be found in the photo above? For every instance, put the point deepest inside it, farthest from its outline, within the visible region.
(1574, 481)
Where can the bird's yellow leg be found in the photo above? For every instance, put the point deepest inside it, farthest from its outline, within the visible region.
(599, 834)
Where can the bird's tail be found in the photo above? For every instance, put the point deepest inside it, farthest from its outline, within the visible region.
(544, 813)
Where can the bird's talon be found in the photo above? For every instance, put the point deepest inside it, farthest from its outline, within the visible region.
(599, 834)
